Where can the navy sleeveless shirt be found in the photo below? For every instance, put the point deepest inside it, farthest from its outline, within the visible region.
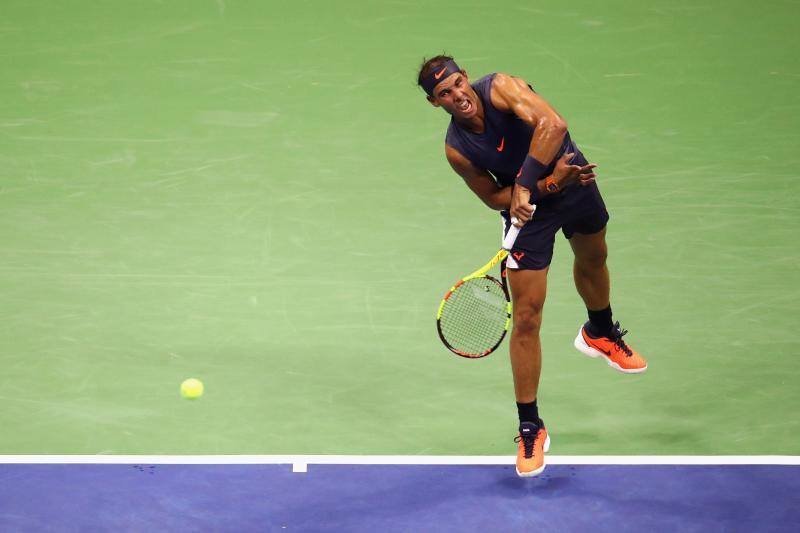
(505, 142)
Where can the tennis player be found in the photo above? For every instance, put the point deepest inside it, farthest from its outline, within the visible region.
(513, 149)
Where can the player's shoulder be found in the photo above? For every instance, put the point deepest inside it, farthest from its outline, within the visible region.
(506, 89)
(454, 154)
(453, 133)
(505, 82)
(451, 145)
(451, 151)
(484, 82)
(502, 78)
(460, 162)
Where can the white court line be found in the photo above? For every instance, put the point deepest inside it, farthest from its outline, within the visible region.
(300, 462)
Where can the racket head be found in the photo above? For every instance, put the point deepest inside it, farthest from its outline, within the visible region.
(474, 316)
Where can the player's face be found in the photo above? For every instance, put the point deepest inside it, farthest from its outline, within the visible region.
(456, 96)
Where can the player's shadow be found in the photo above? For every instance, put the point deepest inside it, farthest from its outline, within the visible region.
(578, 487)
(548, 484)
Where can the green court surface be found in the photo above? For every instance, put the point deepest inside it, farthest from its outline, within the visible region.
(255, 194)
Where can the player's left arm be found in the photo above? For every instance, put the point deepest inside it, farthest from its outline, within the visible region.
(513, 95)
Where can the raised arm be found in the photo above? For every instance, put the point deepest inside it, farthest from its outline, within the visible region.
(479, 180)
(513, 95)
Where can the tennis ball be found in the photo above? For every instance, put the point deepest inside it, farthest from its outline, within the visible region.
(192, 388)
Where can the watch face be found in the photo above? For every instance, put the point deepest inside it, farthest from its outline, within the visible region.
(552, 187)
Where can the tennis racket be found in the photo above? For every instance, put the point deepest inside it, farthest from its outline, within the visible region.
(474, 315)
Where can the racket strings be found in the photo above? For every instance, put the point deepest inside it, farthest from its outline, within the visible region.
(474, 317)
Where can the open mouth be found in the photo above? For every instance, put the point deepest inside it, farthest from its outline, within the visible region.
(464, 106)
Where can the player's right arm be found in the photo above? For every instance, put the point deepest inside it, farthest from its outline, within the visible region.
(479, 180)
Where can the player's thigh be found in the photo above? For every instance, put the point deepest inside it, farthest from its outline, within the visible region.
(533, 249)
(528, 292)
(590, 250)
(586, 216)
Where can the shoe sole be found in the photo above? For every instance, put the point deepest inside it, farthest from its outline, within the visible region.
(587, 350)
(539, 470)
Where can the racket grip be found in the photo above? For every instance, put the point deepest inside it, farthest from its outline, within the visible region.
(511, 236)
(513, 232)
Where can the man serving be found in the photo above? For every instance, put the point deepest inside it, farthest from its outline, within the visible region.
(513, 149)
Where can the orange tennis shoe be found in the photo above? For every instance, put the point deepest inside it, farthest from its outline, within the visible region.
(533, 443)
(616, 352)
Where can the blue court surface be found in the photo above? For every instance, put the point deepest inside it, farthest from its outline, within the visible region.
(391, 497)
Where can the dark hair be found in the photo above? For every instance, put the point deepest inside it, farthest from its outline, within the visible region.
(429, 65)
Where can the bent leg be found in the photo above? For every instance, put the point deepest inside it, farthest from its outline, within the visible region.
(590, 270)
(528, 290)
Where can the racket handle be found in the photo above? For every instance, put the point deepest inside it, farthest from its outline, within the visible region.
(511, 236)
(513, 232)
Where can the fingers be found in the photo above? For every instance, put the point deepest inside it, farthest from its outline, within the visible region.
(528, 212)
(520, 205)
(587, 177)
(521, 214)
(572, 172)
(567, 156)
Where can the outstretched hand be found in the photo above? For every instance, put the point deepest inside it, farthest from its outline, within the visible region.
(566, 174)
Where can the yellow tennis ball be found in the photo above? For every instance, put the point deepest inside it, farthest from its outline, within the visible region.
(192, 388)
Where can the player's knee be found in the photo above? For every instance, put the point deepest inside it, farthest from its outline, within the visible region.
(528, 318)
(592, 260)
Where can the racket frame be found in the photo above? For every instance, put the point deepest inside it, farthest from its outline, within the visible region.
(499, 258)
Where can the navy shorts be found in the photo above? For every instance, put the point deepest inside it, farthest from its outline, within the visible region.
(577, 209)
